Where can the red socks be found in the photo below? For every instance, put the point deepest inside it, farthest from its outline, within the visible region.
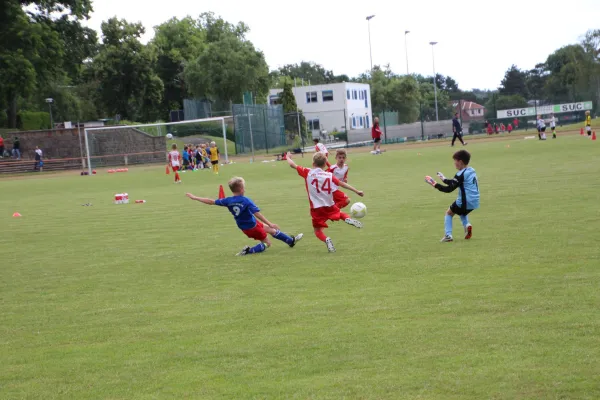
(320, 235)
(177, 176)
(344, 216)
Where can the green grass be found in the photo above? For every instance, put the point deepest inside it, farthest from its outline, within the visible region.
(147, 301)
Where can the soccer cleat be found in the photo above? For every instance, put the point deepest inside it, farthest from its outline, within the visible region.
(354, 223)
(430, 181)
(330, 246)
(297, 238)
(447, 238)
(244, 251)
(468, 231)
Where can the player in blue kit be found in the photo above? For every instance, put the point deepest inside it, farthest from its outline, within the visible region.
(468, 196)
(249, 218)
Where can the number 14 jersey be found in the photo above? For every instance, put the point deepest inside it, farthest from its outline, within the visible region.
(320, 186)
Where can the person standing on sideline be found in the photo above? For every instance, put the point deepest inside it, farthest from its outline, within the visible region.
(376, 135)
(553, 125)
(457, 130)
(16, 150)
(38, 160)
(516, 123)
(1, 147)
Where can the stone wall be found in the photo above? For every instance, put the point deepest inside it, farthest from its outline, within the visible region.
(64, 143)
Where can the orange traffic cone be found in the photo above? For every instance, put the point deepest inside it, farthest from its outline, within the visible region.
(581, 132)
(168, 171)
(221, 192)
(17, 215)
(594, 135)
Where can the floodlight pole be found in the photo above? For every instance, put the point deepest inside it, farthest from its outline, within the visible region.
(437, 118)
(369, 18)
(87, 152)
(251, 135)
(225, 140)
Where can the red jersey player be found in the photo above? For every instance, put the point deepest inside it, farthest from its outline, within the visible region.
(175, 162)
(320, 186)
(340, 171)
(321, 148)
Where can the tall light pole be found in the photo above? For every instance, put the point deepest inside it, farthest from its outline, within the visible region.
(406, 50)
(437, 118)
(369, 18)
(49, 100)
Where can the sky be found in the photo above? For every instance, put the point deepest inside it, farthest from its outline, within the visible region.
(477, 40)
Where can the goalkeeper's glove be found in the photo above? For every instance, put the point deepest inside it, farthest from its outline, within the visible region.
(442, 177)
(430, 181)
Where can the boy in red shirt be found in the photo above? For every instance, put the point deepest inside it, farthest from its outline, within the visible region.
(321, 148)
(376, 135)
(320, 186)
(509, 128)
(340, 171)
(174, 162)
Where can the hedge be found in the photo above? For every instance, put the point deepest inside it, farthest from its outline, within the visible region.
(33, 120)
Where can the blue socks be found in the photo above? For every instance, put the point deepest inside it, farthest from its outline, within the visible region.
(464, 219)
(284, 238)
(259, 248)
(448, 225)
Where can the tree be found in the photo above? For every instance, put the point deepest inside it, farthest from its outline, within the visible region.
(287, 99)
(124, 69)
(514, 82)
(229, 65)
(80, 45)
(178, 42)
(503, 102)
(309, 72)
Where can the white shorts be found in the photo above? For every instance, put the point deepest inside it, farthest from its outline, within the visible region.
(588, 128)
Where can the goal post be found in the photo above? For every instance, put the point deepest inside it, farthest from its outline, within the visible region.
(137, 142)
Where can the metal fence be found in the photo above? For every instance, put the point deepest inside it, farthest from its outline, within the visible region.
(259, 127)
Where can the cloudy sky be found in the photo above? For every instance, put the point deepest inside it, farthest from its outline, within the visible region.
(478, 40)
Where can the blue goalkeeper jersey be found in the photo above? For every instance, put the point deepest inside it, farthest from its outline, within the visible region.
(468, 194)
(242, 209)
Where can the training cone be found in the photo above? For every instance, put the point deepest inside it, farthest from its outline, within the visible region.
(581, 132)
(167, 171)
(221, 192)
(17, 215)
(594, 135)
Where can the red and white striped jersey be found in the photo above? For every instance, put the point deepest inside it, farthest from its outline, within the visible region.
(321, 148)
(340, 173)
(174, 158)
(320, 186)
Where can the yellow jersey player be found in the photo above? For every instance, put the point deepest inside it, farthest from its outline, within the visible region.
(214, 157)
(588, 123)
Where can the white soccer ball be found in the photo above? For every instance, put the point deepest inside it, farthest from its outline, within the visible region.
(358, 210)
(169, 136)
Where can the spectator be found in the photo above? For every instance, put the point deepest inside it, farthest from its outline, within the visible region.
(376, 135)
(457, 130)
(1, 147)
(516, 123)
(509, 128)
(38, 160)
(16, 150)
(496, 128)
(489, 129)
(502, 127)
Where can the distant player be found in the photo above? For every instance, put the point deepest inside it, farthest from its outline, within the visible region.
(213, 152)
(185, 155)
(320, 186)
(39, 163)
(376, 136)
(249, 218)
(509, 128)
(321, 148)
(541, 128)
(553, 125)
(340, 171)
(175, 162)
(588, 123)
(468, 196)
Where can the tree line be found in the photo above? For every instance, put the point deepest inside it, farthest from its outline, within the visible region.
(46, 52)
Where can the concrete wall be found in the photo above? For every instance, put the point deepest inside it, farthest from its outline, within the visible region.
(64, 143)
(407, 130)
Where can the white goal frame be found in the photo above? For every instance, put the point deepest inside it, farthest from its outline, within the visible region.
(106, 128)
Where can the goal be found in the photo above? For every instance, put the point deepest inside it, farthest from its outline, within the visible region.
(123, 145)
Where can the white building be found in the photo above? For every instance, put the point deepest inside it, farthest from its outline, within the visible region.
(332, 107)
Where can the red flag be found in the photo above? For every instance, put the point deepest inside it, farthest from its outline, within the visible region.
(221, 192)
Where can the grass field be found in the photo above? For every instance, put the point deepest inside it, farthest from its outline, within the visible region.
(147, 301)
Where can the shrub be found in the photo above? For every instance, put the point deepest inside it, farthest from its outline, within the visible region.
(33, 120)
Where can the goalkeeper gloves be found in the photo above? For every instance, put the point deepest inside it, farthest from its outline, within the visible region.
(442, 177)
(430, 181)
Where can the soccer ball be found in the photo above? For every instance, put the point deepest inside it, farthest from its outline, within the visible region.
(358, 210)
(169, 136)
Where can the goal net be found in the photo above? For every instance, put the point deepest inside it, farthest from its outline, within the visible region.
(123, 145)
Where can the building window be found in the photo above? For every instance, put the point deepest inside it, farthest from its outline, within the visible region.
(360, 122)
(348, 94)
(354, 122)
(311, 97)
(366, 99)
(314, 125)
(327, 95)
(367, 121)
(274, 99)
(354, 95)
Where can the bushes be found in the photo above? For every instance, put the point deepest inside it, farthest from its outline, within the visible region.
(33, 121)
(341, 136)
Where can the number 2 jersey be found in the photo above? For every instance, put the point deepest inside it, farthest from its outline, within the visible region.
(466, 181)
(242, 209)
(320, 186)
